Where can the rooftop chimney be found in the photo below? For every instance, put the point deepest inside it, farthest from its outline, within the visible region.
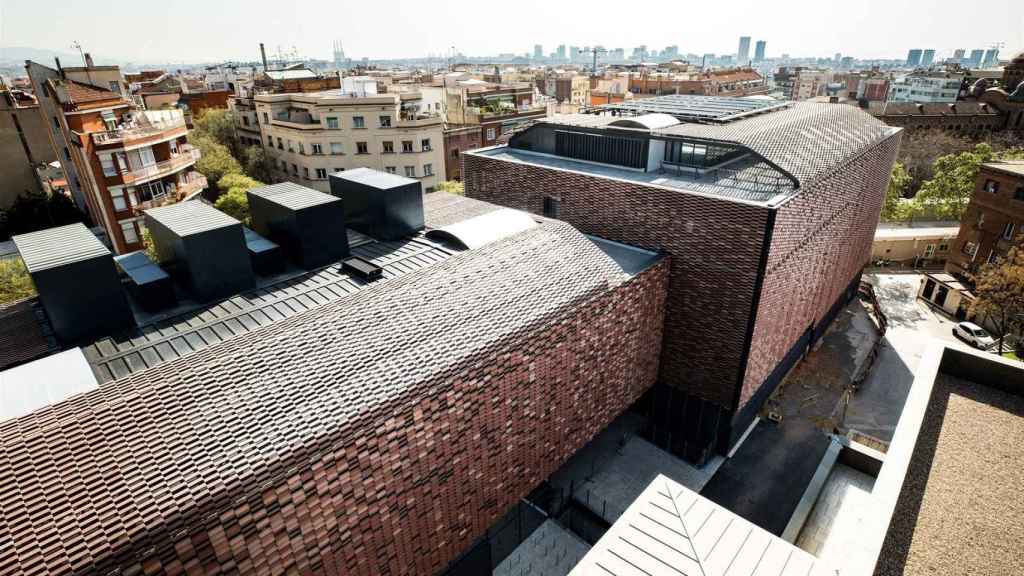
(59, 68)
(88, 61)
(263, 55)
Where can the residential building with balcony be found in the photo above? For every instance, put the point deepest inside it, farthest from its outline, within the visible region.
(309, 136)
(994, 219)
(801, 83)
(123, 160)
(926, 86)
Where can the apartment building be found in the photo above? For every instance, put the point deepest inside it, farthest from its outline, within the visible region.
(495, 109)
(726, 82)
(24, 145)
(801, 83)
(309, 136)
(926, 86)
(567, 87)
(994, 219)
(119, 159)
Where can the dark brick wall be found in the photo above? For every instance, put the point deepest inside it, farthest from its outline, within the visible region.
(403, 487)
(715, 246)
(820, 242)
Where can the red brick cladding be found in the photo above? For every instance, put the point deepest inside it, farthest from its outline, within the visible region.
(715, 247)
(413, 484)
(820, 242)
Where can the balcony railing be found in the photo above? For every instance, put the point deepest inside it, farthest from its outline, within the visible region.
(185, 158)
(195, 183)
(134, 133)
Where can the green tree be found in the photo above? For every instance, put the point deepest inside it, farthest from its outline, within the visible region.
(898, 207)
(948, 192)
(148, 246)
(235, 180)
(1000, 293)
(218, 124)
(452, 187)
(256, 164)
(216, 160)
(234, 203)
(37, 211)
(15, 283)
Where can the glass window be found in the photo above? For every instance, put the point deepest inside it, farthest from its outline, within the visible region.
(302, 148)
(305, 172)
(425, 144)
(361, 148)
(1019, 194)
(410, 171)
(119, 200)
(321, 173)
(991, 186)
(428, 169)
(131, 236)
(385, 121)
(174, 146)
(266, 120)
(318, 149)
(1008, 231)
(295, 170)
(490, 133)
(109, 166)
(332, 122)
(390, 169)
(339, 169)
(280, 143)
(245, 120)
(389, 147)
(406, 145)
(270, 140)
(290, 148)
(337, 148)
(358, 122)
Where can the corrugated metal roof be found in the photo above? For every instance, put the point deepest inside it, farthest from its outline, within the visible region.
(159, 342)
(58, 246)
(186, 218)
(808, 141)
(671, 530)
(293, 196)
(375, 178)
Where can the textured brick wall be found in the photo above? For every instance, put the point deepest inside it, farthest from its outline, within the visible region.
(820, 242)
(715, 247)
(416, 479)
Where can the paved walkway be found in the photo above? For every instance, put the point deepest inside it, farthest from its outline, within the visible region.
(764, 481)
(876, 407)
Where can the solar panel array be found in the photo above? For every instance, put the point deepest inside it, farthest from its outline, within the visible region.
(691, 108)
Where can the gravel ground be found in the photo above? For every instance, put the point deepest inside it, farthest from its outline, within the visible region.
(961, 507)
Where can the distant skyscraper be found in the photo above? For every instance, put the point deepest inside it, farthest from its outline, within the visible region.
(339, 55)
(837, 58)
(759, 51)
(975, 60)
(914, 58)
(538, 52)
(927, 57)
(958, 55)
(743, 56)
(991, 57)
(560, 52)
(574, 53)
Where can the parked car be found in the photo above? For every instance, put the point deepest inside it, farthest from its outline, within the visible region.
(973, 334)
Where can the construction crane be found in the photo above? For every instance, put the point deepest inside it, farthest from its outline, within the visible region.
(594, 52)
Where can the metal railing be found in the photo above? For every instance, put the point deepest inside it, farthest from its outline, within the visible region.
(122, 134)
(187, 157)
(195, 183)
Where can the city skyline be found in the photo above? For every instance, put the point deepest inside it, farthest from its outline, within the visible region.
(214, 30)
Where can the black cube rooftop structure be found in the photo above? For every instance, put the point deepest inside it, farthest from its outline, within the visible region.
(152, 288)
(308, 224)
(266, 257)
(206, 245)
(76, 280)
(382, 205)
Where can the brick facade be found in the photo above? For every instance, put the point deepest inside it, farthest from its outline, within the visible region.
(733, 264)
(409, 479)
(986, 220)
(715, 245)
(820, 242)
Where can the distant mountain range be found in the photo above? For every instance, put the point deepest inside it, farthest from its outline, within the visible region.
(16, 55)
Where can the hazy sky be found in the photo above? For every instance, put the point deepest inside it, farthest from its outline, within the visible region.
(216, 30)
